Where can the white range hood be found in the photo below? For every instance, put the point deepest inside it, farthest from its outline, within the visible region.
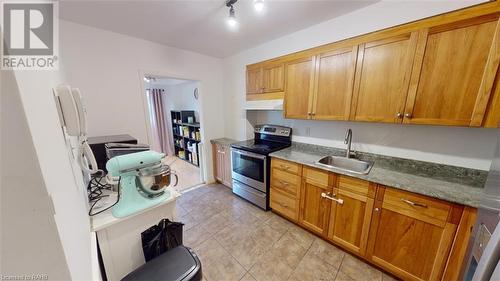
(264, 105)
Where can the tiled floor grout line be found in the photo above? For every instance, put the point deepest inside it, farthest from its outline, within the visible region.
(240, 212)
(340, 266)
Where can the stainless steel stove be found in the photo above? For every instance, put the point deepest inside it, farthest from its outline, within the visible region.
(251, 162)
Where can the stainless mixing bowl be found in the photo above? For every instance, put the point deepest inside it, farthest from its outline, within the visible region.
(153, 181)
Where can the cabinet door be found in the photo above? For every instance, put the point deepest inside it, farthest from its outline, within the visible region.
(254, 80)
(314, 209)
(350, 218)
(334, 84)
(273, 77)
(299, 88)
(218, 169)
(382, 78)
(454, 72)
(228, 179)
(411, 240)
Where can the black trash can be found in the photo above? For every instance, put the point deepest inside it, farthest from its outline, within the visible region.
(177, 264)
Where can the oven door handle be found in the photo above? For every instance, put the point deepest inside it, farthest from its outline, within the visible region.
(246, 153)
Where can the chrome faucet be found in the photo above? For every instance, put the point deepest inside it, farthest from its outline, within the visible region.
(348, 140)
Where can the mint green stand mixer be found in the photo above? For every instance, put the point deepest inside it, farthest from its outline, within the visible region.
(142, 179)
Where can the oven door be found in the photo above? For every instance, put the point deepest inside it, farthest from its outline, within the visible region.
(249, 168)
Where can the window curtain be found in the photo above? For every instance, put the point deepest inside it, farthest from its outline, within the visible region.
(159, 124)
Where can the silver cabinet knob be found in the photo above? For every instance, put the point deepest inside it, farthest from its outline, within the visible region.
(377, 209)
(399, 115)
(408, 115)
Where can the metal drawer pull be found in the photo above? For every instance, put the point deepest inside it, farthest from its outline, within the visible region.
(283, 205)
(339, 201)
(284, 183)
(413, 203)
(284, 167)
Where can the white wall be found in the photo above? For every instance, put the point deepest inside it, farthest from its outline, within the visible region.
(61, 175)
(465, 147)
(109, 68)
(180, 97)
(30, 242)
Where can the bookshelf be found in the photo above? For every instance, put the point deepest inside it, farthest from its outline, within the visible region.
(186, 135)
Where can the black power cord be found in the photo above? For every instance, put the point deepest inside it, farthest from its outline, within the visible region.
(95, 193)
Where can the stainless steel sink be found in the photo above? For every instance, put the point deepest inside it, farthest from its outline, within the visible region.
(350, 165)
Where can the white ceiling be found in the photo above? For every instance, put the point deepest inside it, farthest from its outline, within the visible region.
(200, 25)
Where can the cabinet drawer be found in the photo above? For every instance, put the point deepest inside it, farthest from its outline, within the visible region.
(287, 182)
(286, 166)
(357, 186)
(316, 176)
(420, 207)
(284, 204)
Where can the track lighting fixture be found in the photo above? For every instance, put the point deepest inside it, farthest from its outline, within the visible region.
(258, 5)
(231, 20)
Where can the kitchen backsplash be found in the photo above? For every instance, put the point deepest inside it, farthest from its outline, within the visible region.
(464, 147)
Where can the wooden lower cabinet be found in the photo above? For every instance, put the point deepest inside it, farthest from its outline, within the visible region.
(411, 235)
(284, 204)
(285, 188)
(222, 163)
(314, 208)
(350, 220)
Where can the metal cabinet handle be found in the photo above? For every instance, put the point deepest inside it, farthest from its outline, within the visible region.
(377, 209)
(284, 183)
(399, 115)
(415, 204)
(285, 167)
(283, 205)
(339, 201)
(408, 115)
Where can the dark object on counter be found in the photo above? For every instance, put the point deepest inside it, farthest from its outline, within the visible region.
(160, 238)
(177, 264)
(116, 149)
(99, 150)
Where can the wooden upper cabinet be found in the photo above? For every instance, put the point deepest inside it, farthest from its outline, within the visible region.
(265, 80)
(411, 235)
(254, 80)
(382, 78)
(492, 118)
(454, 73)
(299, 85)
(334, 82)
(273, 78)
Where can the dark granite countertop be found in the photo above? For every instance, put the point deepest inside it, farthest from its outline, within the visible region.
(223, 141)
(450, 183)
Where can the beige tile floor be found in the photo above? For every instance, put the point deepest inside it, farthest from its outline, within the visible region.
(237, 241)
(189, 175)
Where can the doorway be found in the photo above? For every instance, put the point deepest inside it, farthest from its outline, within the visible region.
(174, 120)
